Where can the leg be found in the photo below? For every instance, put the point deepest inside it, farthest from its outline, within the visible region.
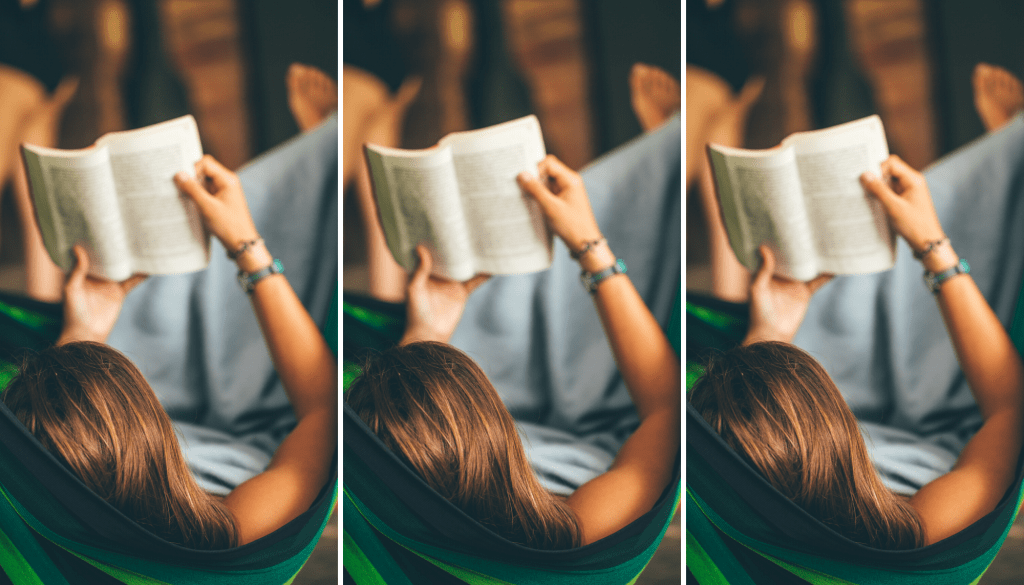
(44, 280)
(714, 115)
(195, 338)
(387, 278)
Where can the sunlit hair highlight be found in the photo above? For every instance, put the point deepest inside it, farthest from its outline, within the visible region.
(431, 404)
(774, 404)
(91, 407)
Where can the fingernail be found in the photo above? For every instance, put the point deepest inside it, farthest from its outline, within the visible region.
(524, 176)
(868, 176)
(180, 176)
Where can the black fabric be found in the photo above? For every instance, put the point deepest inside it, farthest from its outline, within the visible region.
(369, 43)
(712, 44)
(26, 44)
(361, 339)
(450, 522)
(703, 338)
(16, 338)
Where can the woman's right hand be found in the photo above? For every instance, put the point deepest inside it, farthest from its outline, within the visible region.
(221, 202)
(563, 199)
(434, 306)
(908, 202)
(778, 305)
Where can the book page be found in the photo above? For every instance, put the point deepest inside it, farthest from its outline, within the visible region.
(418, 200)
(508, 230)
(761, 202)
(852, 231)
(76, 203)
(166, 234)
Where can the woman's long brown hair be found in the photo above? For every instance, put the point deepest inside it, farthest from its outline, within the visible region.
(91, 407)
(431, 404)
(776, 405)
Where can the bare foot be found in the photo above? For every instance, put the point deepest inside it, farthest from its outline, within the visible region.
(312, 95)
(998, 95)
(655, 95)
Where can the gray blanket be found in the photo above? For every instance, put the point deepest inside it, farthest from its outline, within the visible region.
(882, 338)
(538, 336)
(195, 338)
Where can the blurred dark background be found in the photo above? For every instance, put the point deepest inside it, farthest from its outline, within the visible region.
(831, 61)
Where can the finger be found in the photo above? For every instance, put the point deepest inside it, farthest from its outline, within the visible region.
(561, 174)
(132, 282)
(532, 185)
(877, 187)
(191, 187)
(903, 172)
(476, 281)
(422, 272)
(217, 173)
(819, 281)
(767, 269)
(81, 267)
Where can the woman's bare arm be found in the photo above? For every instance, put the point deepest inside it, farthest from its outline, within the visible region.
(987, 356)
(647, 362)
(305, 364)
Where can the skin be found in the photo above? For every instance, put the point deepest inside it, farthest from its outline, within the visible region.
(646, 360)
(990, 362)
(305, 364)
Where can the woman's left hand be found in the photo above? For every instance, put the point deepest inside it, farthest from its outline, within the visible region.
(778, 305)
(434, 305)
(91, 305)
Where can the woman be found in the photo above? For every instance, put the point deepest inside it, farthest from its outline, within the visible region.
(779, 408)
(435, 407)
(92, 407)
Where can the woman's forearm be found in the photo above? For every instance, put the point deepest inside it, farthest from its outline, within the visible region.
(987, 356)
(305, 364)
(645, 358)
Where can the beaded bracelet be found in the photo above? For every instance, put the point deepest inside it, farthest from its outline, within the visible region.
(929, 247)
(587, 247)
(243, 248)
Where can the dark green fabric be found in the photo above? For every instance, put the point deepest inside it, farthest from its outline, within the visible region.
(379, 529)
(30, 515)
(724, 532)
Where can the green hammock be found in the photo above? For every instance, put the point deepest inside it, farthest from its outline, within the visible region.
(55, 531)
(740, 530)
(397, 530)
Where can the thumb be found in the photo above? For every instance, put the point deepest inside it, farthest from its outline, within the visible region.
(422, 272)
(767, 269)
(81, 267)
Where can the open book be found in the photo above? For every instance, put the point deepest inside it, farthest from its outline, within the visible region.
(804, 199)
(119, 200)
(461, 199)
